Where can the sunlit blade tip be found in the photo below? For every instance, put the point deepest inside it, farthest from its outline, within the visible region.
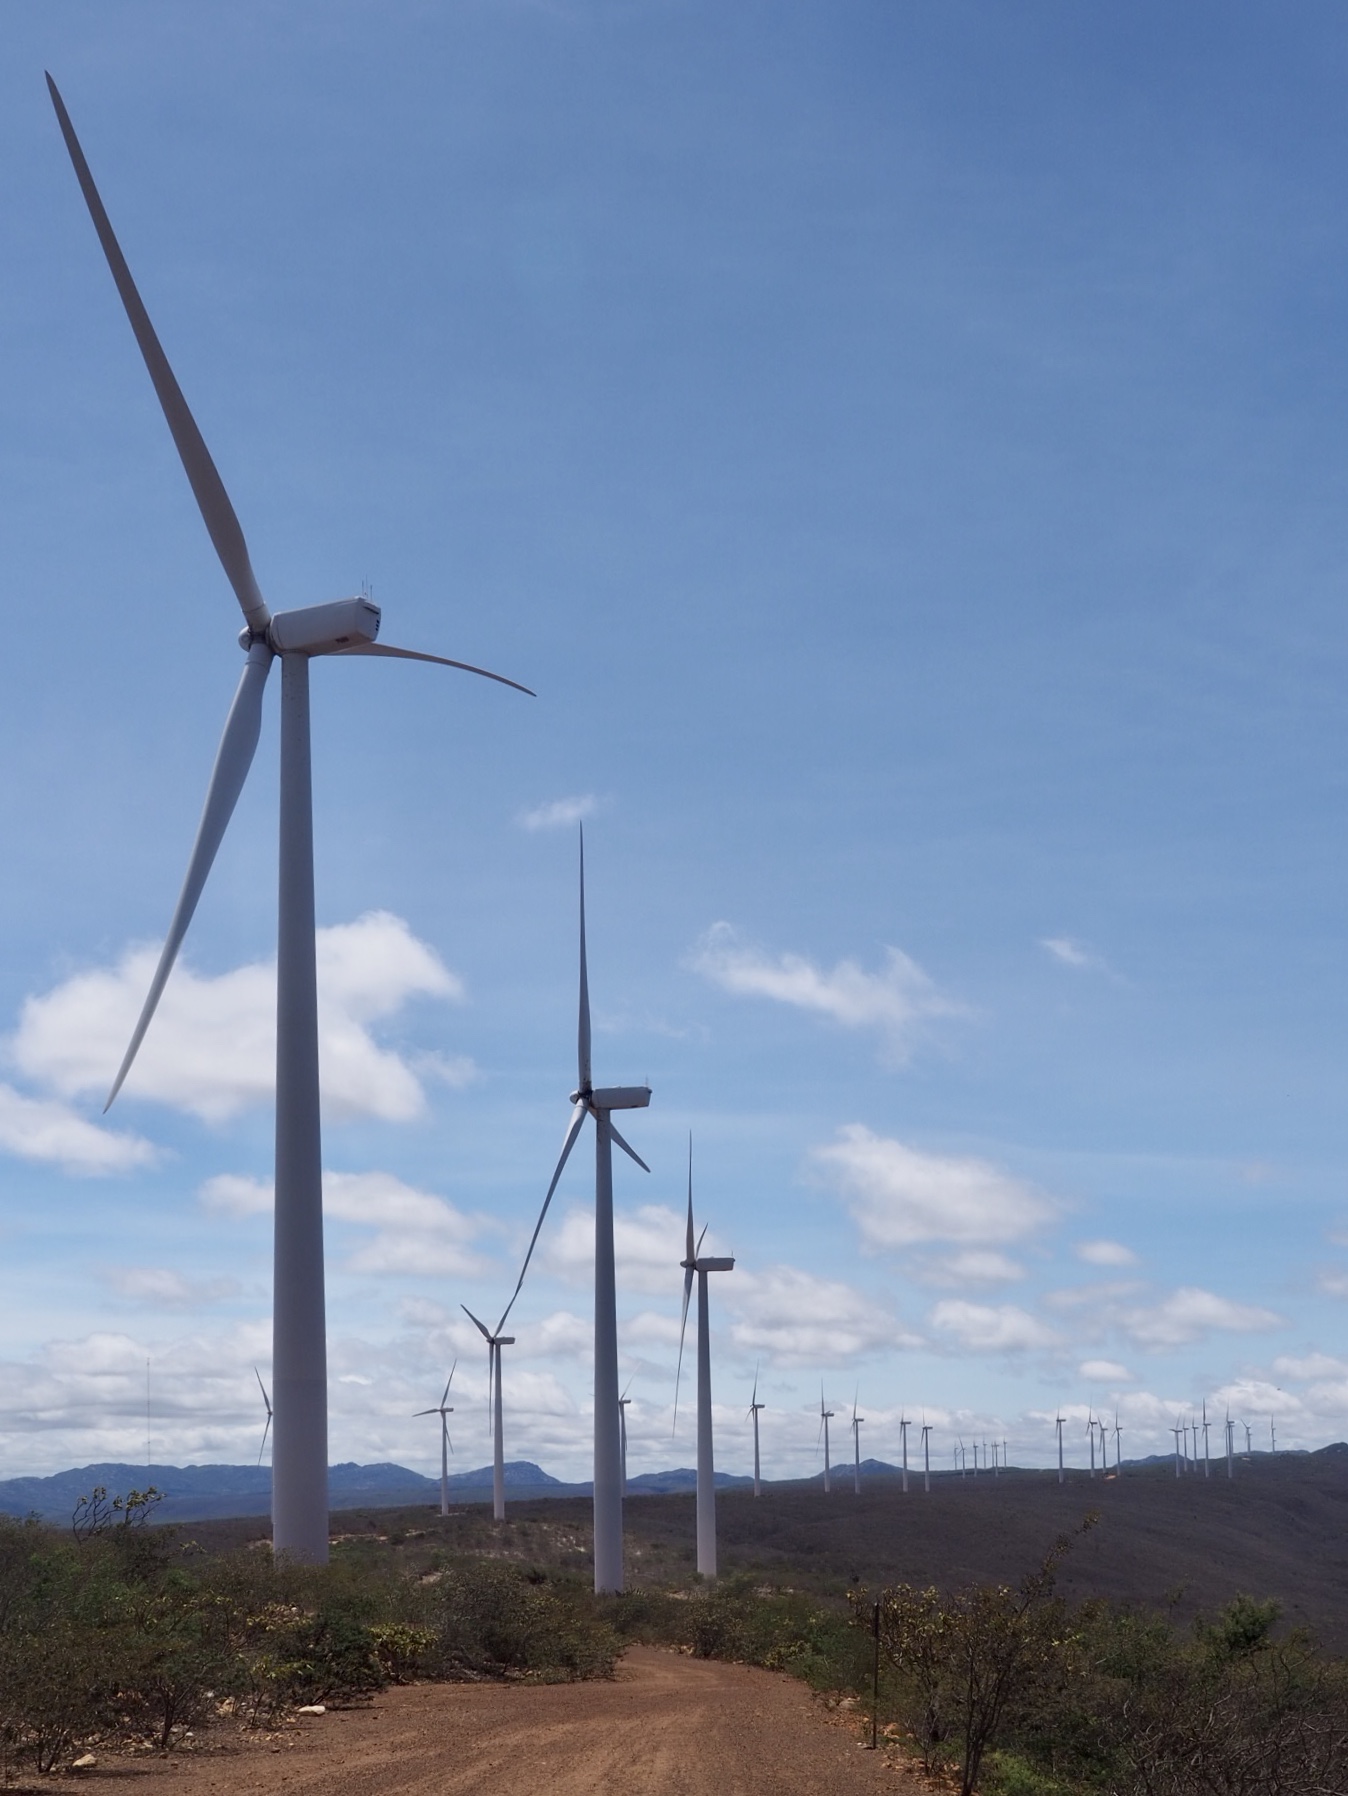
(627, 1147)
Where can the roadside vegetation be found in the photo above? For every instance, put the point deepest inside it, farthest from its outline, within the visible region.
(120, 1636)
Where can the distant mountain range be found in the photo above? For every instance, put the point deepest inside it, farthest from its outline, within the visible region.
(212, 1492)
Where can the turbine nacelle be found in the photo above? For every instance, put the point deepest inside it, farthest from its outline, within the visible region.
(614, 1097)
(319, 629)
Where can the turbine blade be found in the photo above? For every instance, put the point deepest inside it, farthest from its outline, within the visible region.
(754, 1398)
(627, 1147)
(480, 1326)
(454, 1366)
(585, 1080)
(701, 1238)
(578, 1116)
(683, 1326)
(390, 653)
(262, 1387)
(265, 1432)
(691, 1239)
(207, 487)
(445, 1394)
(425, 1412)
(232, 761)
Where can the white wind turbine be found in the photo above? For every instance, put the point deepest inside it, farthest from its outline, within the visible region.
(1176, 1432)
(267, 1401)
(1230, 1450)
(343, 627)
(694, 1262)
(926, 1456)
(444, 1409)
(856, 1446)
(1207, 1457)
(600, 1103)
(1061, 1474)
(825, 1417)
(623, 1402)
(754, 1407)
(495, 1342)
(1118, 1446)
(1090, 1429)
(903, 1437)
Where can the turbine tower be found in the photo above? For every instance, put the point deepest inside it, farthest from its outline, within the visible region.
(267, 1401)
(444, 1409)
(1090, 1429)
(600, 1103)
(1207, 1457)
(825, 1417)
(495, 1342)
(926, 1457)
(1176, 1432)
(342, 627)
(1230, 1430)
(903, 1437)
(1062, 1477)
(1118, 1446)
(754, 1407)
(692, 1263)
(856, 1447)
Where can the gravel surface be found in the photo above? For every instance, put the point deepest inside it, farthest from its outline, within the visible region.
(668, 1724)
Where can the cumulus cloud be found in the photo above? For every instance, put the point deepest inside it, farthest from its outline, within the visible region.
(987, 1328)
(1190, 1314)
(44, 1130)
(901, 1197)
(1105, 1253)
(211, 1049)
(161, 1288)
(648, 1243)
(1069, 952)
(560, 812)
(801, 1319)
(416, 1232)
(1103, 1371)
(898, 1000)
(1333, 1284)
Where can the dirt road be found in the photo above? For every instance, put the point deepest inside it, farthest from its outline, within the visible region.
(668, 1726)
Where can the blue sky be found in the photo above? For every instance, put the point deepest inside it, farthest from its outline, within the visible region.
(906, 448)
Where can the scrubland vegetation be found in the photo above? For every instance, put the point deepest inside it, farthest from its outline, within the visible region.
(119, 1635)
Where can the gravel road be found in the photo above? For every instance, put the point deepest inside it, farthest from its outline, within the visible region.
(667, 1726)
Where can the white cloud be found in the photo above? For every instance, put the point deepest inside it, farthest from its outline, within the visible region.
(898, 1000)
(211, 1048)
(560, 813)
(901, 1197)
(984, 1328)
(801, 1319)
(161, 1288)
(1105, 1253)
(1310, 1366)
(972, 1266)
(416, 1232)
(1333, 1284)
(1189, 1314)
(648, 1244)
(40, 1129)
(1068, 952)
(1103, 1371)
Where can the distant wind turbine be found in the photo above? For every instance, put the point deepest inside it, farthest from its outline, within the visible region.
(1230, 1450)
(1207, 1457)
(1118, 1445)
(444, 1409)
(1062, 1476)
(903, 1436)
(856, 1446)
(267, 1401)
(754, 1407)
(1249, 1438)
(825, 1417)
(340, 627)
(1090, 1429)
(1272, 1436)
(600, 1103)
(1176, 1431)
(694, 1262)
(495, 1342)
(623, 1402)
(926, 1456)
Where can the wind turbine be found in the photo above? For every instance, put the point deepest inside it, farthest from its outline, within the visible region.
(495, 1342)
(825, 1417)
(444, 1409)
(1062, 1477)
(1090, 1429)
(1118, 1446)
(1207, 1457)
(693, 1262)
(267, 1401)
(1230, 1451)
(341, 627)
(623, 1402)
(903, 1436)
(856, 1446)
(754, 1407)
(1272, 1436)
(926, 1456)
(1249, 1439)
(1176, 1432)
(600, 1103)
